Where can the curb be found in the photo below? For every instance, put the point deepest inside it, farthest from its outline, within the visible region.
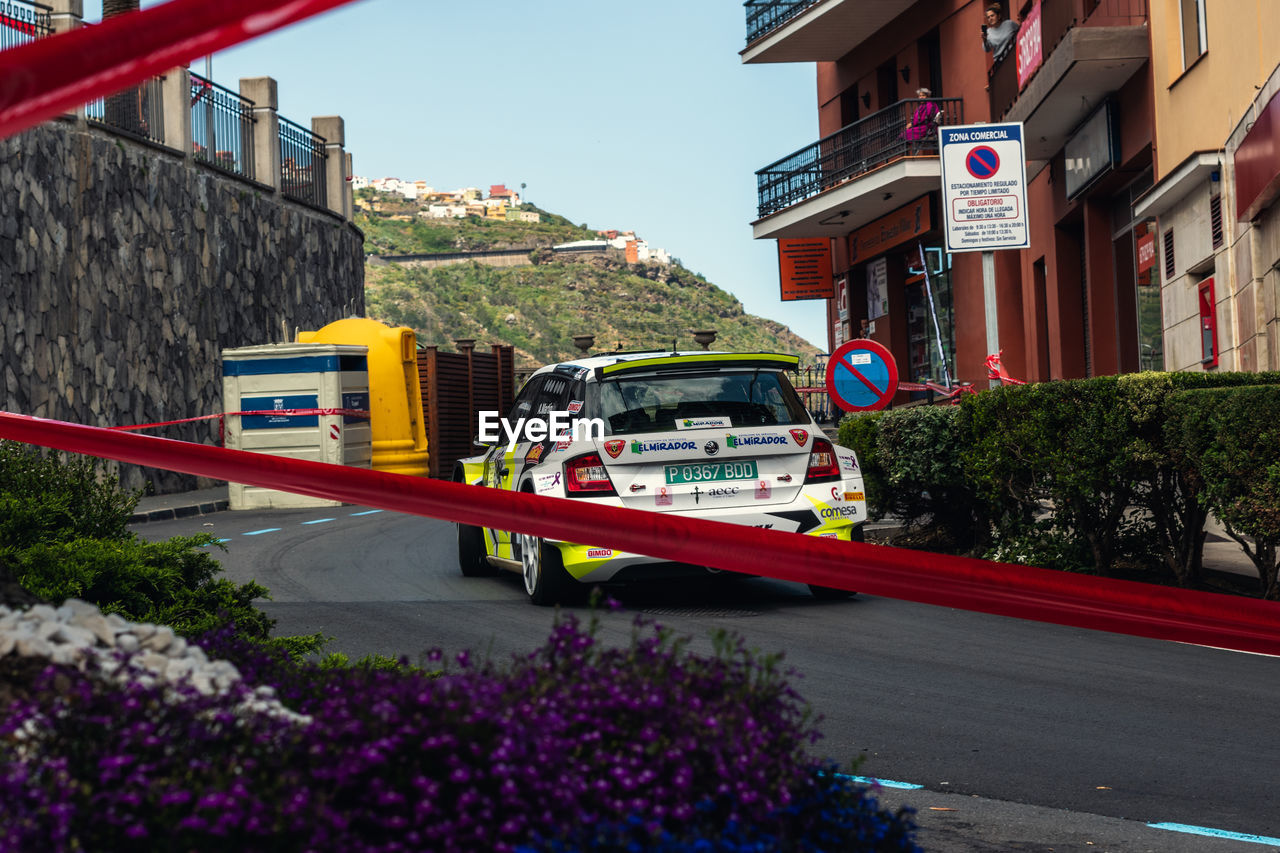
(170, 513)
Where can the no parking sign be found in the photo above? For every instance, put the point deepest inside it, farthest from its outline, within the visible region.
(984, 187)
(862, 376)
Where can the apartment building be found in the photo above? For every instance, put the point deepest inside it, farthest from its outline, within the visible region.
(1079, 77)
(1211, 239)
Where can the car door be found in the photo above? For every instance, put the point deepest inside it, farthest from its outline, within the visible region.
(500, 465)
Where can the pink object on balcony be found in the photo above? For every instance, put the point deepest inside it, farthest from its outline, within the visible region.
(1030, 46)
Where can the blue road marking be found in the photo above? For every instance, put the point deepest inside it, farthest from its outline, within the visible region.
(367, 512)
(883, 783)
(1215, 833)
(264, 530)
(215, 542)
(318, 521)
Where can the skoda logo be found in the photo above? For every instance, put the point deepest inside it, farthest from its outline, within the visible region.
(711, 447)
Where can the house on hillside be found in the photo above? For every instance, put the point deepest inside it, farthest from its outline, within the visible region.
(500, 192)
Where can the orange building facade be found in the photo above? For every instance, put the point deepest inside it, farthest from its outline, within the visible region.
(1079, 301)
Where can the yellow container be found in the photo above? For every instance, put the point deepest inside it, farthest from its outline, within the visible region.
(395, 395)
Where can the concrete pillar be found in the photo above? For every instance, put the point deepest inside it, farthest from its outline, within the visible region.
(266, 130)
(67, 15)
(175, 106)
(333, 130)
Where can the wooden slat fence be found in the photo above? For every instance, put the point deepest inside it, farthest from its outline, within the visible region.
(456, 386)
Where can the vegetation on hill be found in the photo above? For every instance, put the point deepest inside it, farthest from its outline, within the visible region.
(539, 309)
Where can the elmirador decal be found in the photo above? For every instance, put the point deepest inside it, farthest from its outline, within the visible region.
(753, 440)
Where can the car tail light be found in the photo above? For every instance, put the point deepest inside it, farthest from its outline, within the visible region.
(823, 465)
(585, 475)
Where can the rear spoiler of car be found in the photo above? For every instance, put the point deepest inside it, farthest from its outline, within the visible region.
(758, 360)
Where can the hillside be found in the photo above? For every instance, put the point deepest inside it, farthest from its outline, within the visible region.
(538, 309)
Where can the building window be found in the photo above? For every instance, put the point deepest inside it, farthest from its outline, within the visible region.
(1169, 266)
(1195, 36)
(1215, 220)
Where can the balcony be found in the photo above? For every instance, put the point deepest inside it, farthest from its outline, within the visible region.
(1087, 55)
(813, 30)
(856, 174)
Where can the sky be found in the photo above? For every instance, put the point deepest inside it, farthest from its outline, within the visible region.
(627, 116)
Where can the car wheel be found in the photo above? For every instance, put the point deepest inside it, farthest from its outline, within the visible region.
(545, 578)
(471, 556)
(830, 593)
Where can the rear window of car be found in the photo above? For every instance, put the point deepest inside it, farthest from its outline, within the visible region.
(651, 402)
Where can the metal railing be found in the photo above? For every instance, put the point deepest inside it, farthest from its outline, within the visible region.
(221, 127)
(137, 112)
(765, 16)
(1057, 18)
(302, 164)
(854, 150)
(22, 21)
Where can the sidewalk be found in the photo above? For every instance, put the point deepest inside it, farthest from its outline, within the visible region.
(180, 505)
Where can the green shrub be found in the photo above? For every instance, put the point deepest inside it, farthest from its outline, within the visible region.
(859, 432)
(48, 497)
(1231, 439)
(170, 582)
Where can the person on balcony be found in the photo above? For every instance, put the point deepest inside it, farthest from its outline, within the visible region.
(998, 36)
(924, 121)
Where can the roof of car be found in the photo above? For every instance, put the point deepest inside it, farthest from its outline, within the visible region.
(613, 363)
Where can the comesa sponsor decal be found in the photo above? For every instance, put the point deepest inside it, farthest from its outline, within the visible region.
(557, 425)
(753, 440)
(650, 446)
(839, 512)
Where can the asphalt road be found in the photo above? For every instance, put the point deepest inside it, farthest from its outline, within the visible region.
(1023, 736)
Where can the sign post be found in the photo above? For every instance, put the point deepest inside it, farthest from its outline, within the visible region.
(984, 193)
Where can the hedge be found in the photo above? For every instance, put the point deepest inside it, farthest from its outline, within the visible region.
(1081, 475)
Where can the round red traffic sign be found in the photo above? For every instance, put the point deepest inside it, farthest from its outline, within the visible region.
(982, 162)
(862, 376)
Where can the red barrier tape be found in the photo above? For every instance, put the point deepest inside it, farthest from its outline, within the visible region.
(353, 413)
(49, 76)
(1047, 596)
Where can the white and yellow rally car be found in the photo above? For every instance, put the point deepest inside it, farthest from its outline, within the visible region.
(721, 436)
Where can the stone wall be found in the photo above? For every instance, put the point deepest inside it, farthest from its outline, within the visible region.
(125, 271)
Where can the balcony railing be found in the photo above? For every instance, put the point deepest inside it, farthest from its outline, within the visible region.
(138, 111)
(1057, 18)
(221, 127)
(855, 150)
(765, 16)
(302, 164)
(22, 21)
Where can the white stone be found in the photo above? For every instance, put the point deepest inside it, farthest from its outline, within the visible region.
(31, 646)
(70, 634)
(96, 623)
(160, 640)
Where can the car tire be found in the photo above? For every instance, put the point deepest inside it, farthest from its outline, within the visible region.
(545, 578)
(830, 593)
(471, 556)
